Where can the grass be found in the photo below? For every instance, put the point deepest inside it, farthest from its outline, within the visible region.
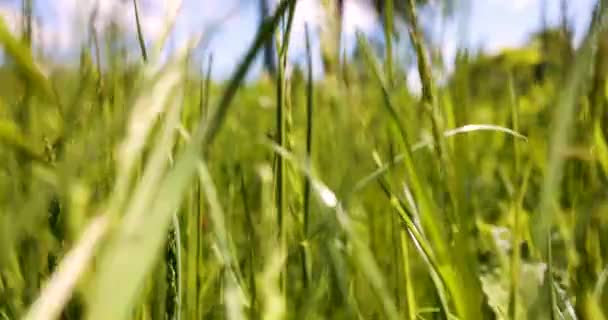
(145, 190)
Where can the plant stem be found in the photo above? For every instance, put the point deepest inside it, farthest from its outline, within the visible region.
(140, 35)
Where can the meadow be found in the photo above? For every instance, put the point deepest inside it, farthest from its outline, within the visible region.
(147, 190)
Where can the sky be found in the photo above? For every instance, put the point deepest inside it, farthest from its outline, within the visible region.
(492, 24)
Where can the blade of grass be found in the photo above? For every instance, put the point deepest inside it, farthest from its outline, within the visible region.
(144, 234)
(140, 34)
(400, 158)
(134, 233)
(58, 290)
(309, 135)
(253, 239)
(173, 10)
(601, 147)
(410, 297)
(514, 103)
(431, 220)
(22, 57)
(281, 122)
(210, 128)
(361, 253)
(466, 290)
(429, 94)
(412, 230)
(466, 294)
(542, 219)
(228, 258)
(562, 124)
(10, 135)
(388, 39)
(180, 269)
(281, 85)
(142, 119)
(206, 88)
(514, 312)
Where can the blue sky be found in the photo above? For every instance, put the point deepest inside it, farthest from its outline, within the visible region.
(492, 24)
(499, 23)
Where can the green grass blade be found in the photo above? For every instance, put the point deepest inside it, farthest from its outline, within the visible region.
(173, 10)
(58, 290)
(562, 125)
(235, 295)
(309, 142)
(144, 233)
(140, 33)
(601, 147)
(362, 254)
(216, 119)
(412, 230)
(388, 39)
(400, 158)
(429, 215)
(21, 55)
(11, 136)
(563, 116)
(142, 230)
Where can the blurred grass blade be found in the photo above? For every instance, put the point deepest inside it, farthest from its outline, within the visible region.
(140, 33)
(216, 119)
(10, 135)
(235, 295)
(425, 251)
(388, 16)
(542, 220)
(143, 233)
(563, 118)
(306, 259)
(431, 221)
(132, 250)
(309, 126)
(180, 269)
(59, 289)
(173, 10)
(483, 127)
(365, 181)
(601, 148)
(411, 229)
(21, 55)
(143, 117)
(362, 254)
(281, 137)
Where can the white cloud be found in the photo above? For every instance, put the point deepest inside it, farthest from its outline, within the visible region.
(515, 4)
(152, 15)
(64, 23)
(358, 16)
(308, 12)
(43, 36)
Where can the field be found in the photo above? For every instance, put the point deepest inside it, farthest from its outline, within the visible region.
(147, 190)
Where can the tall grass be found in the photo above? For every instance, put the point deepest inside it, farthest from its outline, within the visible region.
(150, 191)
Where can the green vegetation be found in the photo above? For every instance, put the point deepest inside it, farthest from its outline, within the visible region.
(147, 191)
